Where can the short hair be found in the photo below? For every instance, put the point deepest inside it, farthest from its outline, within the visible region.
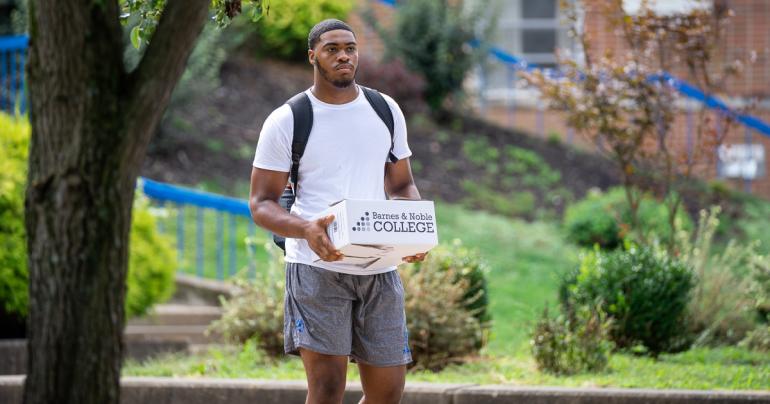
(326, 25)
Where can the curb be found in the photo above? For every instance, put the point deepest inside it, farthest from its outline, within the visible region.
(159, 390)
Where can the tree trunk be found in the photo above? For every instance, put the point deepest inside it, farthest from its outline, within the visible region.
(91, 123)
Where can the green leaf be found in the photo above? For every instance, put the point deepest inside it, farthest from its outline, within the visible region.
(135, 40)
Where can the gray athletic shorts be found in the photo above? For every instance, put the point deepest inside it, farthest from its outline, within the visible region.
(360, 316)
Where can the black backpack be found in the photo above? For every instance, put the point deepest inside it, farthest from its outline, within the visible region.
(302, 110)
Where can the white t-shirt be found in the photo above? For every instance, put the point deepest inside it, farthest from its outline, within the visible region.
(344, 158)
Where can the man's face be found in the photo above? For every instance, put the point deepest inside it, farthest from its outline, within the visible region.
(336, 57)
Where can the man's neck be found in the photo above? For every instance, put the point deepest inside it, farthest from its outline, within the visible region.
(332, 94)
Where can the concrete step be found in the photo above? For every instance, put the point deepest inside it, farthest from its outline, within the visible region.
(192, 334)
(179, 314)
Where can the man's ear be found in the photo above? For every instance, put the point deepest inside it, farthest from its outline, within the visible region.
(311, 56)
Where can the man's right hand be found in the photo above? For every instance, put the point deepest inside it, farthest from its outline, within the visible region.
(315, 234)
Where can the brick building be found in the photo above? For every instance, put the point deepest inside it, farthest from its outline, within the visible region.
(532, 30)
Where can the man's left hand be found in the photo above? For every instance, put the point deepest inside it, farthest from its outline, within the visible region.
(415, 258)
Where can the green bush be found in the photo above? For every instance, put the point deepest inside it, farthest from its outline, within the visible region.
(255, 311)
(152, 261)
(758, 339)
(442, 330)
(605, 218)
(283, 30)
(14, 143)
(721, 310)
(466, 265)
(431, 37)
(643, 291)
(563, 346)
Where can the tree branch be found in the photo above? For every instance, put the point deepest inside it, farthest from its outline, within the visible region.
(150, 85)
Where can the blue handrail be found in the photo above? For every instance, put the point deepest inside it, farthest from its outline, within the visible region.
(12, 60)
(173, 193)
(10, 43)
(223, 246)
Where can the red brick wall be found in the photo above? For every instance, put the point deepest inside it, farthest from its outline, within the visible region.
(748, 30)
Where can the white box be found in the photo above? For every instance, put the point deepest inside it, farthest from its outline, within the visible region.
(379, 234)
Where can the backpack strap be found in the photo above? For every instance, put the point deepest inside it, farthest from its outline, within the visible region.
(302, 110)
(381, 107)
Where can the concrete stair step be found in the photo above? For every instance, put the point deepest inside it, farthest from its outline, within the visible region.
(193, 334)
(179, 314)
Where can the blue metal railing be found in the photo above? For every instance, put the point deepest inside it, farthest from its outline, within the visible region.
(13, 54)
(219, 255)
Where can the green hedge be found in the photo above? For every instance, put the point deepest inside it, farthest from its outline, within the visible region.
(604, 218)
(643, 291)
(152, 261)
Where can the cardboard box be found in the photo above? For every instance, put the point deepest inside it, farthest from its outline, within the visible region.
(378, 234)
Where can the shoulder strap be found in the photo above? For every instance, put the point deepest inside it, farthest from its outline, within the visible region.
(381, 107)
(302, 110)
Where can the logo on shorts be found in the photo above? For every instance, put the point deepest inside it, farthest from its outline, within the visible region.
(406, 343)
(364, 224)
(299, 325)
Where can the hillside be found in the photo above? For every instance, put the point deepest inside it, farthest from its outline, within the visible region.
(210, 140)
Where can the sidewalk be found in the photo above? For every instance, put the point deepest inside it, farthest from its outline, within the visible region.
(158, 390)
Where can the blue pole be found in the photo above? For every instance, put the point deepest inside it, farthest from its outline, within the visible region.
(570, 134)
(12, 81)
(180, 236)
(220, 246)
(23, 101)
(233, 255)
(252, 265)
(199, 241)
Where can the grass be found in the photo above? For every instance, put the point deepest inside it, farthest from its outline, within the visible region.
(526, 261)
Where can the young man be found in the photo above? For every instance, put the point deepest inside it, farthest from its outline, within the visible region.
(334, 312)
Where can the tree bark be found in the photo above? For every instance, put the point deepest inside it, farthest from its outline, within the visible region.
(91, 123)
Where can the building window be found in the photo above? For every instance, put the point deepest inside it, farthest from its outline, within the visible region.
(528, 29)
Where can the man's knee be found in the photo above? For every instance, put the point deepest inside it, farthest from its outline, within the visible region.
(390, 394)
(327, 387)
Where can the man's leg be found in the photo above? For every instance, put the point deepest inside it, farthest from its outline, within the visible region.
(382, 385)
(325, 377)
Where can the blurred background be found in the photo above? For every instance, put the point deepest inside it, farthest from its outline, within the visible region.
(599, 166)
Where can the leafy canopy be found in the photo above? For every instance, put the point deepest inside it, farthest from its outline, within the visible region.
(149, 12)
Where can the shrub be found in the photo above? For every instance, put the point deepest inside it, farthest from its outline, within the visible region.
(758, 339)
(721, 309)
(255, 311)
(14, 143)
(442, 330)
(563, 346)
(604, 219)
(431, 37)
(643, 290)
(394, 79)
(151, 261)
(466, 265)
(283, 30)
(445, 299)
(759, 285)
(151, 265)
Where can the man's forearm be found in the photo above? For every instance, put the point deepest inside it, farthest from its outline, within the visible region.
(271, 216)
(408, 192)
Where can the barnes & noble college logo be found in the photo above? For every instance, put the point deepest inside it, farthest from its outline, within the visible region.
(364, 224)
